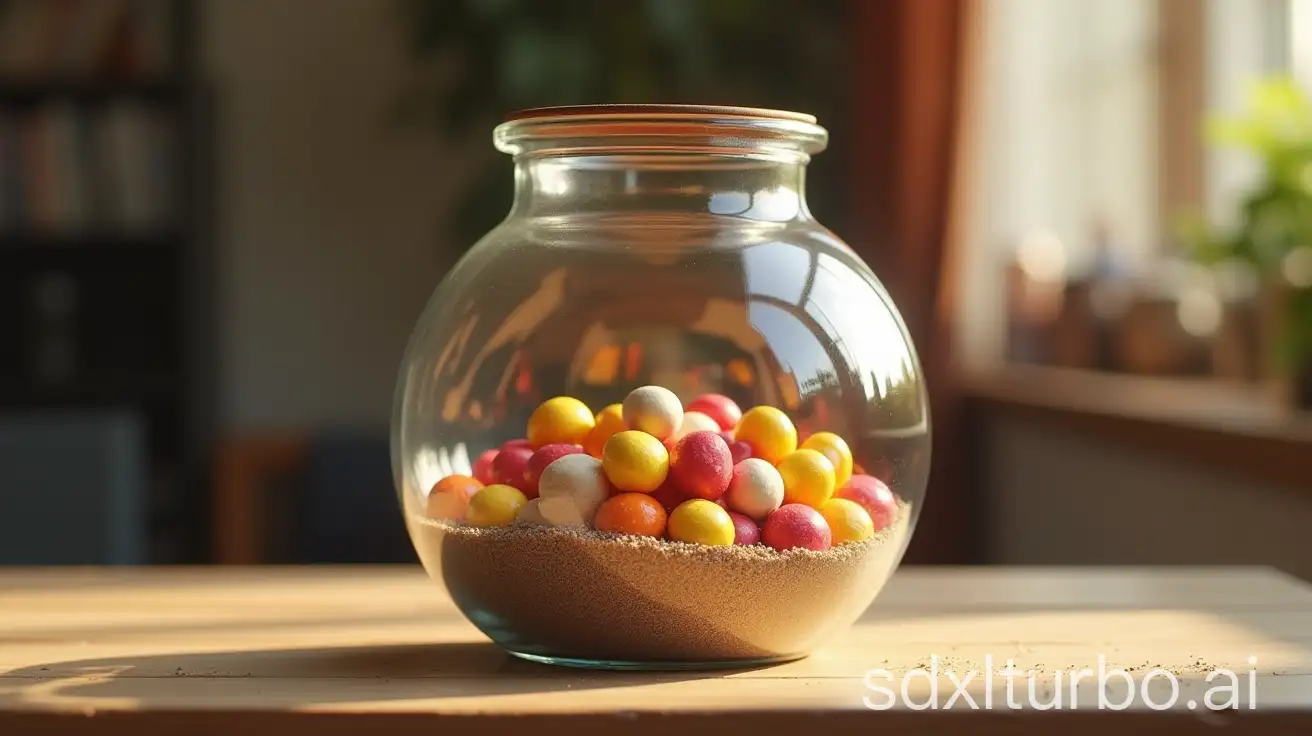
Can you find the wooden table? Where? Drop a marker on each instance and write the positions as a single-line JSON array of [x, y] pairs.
[[337, 649]]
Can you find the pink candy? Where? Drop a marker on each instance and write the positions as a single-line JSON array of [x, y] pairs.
[[745, 531], [874, 496], [795, 525], [538, 462], [701, 465], [718, 407], [508, 467], [483, 467]]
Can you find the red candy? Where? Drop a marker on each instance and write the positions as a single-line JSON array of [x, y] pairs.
[[718, 407], [508, 467], [483, 467], [873, 495], [669, 495], [739, 451], [797, 525], [516, 443], [538, 462], [702, 465], [745, 531]]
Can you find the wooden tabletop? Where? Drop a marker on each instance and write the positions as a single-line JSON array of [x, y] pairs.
[[337, 649]]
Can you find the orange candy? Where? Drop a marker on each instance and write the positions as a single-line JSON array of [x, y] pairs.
[[631, 513], [609, 421], [450, 496]]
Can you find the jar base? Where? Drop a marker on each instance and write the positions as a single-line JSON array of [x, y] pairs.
[[657, 665]]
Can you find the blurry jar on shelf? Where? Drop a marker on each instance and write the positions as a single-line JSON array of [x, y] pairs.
[[660, 416]]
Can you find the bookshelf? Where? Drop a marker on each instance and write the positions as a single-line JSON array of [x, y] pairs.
[[106, 268]]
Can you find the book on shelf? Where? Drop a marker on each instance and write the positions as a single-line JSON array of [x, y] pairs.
[[66, 170], [78, 39]]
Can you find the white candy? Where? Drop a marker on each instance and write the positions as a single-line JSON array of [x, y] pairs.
[[756, 488], [571, 489], [654, 410], [695, 421], [531, 514]]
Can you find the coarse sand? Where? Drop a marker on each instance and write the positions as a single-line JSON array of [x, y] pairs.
[[582, 594]]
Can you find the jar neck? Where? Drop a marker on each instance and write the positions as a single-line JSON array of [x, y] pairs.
[[755, 189]]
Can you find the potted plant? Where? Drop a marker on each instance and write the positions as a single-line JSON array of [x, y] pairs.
[[1272, 233]]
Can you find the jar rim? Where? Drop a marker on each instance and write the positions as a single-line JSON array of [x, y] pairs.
[[655, 129]]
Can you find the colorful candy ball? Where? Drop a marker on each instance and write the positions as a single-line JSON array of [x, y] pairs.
[[769, 431], [808, 478], [635, 461], [873, 495], [702, 465], [609, 421], [561, 420], [718, 407], [654, 410], [450, 496], [571, 489], [531, 513], [483, 467], [699, 521], [538, 462], [521, 442], [695, 421], [745, 531], [835, 448], [848, 521], [631, 513], [756, 488], [495, 505], [796, 525], [508, 467]]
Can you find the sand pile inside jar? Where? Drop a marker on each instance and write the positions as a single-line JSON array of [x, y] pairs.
[[588, 594]]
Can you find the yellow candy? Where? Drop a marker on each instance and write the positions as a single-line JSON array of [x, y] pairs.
[[609, 421], [835, 448], [848, 522], [563, 419], [770, 433], [635, 461], [808, 478], [700, 522], [495, 505]]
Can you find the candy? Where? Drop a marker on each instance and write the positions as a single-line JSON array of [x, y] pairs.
[[795, 525], [694, 421], [745, 531], [631, 513], [508, 467], [718, 407], [756, 488], [483, 467], [769, 431], [808, 477], [702, 465], [450, 496], [571, 489], [669, 495], [531, 513], [562, 420], [848, 521], [538, 462], [874, 496], [608, 421], [635, 461], [835, 448], [495, 505], [521, 442], [740, 451], [701, 522], [654, 410]]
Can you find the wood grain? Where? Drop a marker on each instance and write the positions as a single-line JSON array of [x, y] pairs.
[[224, 650]]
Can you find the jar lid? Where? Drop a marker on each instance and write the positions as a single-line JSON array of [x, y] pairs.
[[657, 111]]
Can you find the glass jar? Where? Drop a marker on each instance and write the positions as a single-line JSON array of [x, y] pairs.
[[660, 417]]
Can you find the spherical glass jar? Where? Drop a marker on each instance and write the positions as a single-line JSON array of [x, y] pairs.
[[667, 249]]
